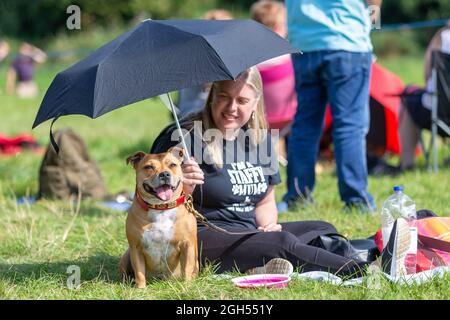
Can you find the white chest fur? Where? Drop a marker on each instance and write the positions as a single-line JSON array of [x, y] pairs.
[[157, 239]]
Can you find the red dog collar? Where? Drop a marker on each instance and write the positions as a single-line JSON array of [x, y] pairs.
[[163, 206]]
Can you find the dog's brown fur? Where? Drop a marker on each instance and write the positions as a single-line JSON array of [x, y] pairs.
[[162, 243]]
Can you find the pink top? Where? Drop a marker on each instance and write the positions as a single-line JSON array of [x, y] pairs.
[[280, 98]]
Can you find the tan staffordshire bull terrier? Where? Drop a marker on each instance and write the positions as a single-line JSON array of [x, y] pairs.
[[161, 233]]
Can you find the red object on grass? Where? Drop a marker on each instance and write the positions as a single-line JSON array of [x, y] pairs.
[[385, 87], [11, 146]]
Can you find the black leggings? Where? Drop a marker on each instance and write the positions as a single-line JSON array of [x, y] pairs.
[[243, 252]]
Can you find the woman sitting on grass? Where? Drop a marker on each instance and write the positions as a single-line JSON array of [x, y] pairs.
[[232, 183]]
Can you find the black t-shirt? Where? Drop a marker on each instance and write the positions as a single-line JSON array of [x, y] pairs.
[[229, 195]]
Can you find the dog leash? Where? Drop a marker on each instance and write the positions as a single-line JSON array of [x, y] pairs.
[[200, 218]]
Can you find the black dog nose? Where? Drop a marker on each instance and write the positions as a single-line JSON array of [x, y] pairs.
[[164, 175]]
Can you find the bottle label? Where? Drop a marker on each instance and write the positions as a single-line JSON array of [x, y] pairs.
[[411, 254], [386, 233], [413, 245]]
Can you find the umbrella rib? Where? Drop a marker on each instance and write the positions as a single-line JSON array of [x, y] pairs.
[[203, 38], [223, 66], [94, 114]]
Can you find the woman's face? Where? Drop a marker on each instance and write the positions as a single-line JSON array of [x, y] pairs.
[[233, 104]]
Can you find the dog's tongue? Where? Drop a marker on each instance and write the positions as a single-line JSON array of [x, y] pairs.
[[164, 193]]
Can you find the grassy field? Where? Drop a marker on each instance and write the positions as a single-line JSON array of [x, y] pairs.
[[39, 242]]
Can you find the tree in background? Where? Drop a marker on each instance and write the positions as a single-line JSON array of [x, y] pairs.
[[39, 19], [401, 11]]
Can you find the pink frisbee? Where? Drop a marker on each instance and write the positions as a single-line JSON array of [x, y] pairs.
[[276, 281]]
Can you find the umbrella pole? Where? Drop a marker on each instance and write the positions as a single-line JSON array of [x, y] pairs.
[[183, 142]]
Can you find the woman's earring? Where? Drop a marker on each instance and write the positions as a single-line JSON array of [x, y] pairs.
[[253, 115]]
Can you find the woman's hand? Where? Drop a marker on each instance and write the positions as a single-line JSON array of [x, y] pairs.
[[271, 227], [266, 213], [192, 175]]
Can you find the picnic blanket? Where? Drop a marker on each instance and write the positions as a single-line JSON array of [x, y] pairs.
[[326, 277], [410, 279]]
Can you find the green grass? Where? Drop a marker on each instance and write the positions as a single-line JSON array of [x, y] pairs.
[[39, 242], [409, 68]]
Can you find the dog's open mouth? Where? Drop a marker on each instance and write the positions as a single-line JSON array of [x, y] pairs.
[[163, 192]]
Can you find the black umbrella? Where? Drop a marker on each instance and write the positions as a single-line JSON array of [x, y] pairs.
[[156, 57]]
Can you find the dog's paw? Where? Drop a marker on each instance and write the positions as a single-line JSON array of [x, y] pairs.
[[141, 285]]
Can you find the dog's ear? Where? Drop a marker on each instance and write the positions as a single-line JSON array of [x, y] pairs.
[[135, 158], [177, 152]]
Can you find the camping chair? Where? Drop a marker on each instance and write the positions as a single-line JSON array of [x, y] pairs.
[[440, 109]]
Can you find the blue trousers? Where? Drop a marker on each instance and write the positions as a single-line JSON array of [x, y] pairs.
[[342, 79]]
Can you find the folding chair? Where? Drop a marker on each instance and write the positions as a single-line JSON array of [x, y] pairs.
[[440, 109]]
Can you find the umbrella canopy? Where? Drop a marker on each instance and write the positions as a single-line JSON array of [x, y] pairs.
[[156, 57]]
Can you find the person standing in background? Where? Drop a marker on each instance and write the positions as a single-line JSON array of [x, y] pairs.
[[277, 74], [334, 67], [20, 76]]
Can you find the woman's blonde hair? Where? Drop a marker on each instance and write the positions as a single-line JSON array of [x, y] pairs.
[[257, 121]]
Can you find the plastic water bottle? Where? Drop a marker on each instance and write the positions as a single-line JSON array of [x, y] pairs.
[[399, 205]]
